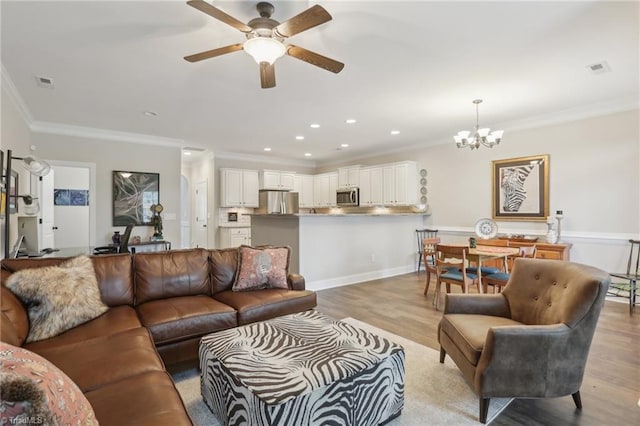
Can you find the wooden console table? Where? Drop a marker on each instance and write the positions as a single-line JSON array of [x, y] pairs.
[[148, 246], [559, 251]]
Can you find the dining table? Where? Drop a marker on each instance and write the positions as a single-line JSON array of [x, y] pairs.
[[482, 253]]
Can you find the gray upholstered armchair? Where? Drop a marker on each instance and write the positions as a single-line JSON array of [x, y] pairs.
[[531, 340]]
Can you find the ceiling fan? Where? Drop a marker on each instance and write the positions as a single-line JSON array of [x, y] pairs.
[[265, 37]]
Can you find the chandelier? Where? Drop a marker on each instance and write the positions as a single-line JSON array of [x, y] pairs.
[[482, 136]]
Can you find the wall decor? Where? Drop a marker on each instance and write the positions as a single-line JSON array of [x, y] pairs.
[[12, 196], [521, 188], [133, 195], [70, 197]]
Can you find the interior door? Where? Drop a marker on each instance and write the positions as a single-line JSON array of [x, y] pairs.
[[47, 215], [201, 215], [71, 206]]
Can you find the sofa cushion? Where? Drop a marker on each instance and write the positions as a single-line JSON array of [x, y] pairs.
[[224, 264], [147, 399], [34, 388], [115, 320], [261, 305], [469, 332], [262, 268], [164, 275], [14, 327], [180, 318], [106, 359], [58, 298]]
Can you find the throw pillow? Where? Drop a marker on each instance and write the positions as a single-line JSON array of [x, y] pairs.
[[34, 391], [58, 297], [260, 268]]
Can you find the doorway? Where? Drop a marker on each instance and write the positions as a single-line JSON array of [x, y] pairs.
[[67, 217]]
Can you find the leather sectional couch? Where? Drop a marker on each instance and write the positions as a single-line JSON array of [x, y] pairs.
[[160, 305]]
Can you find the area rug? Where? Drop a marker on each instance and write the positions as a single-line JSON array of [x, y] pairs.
[[435, 394]]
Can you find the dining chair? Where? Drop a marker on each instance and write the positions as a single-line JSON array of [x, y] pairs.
[[488, 270], [631, 277], [500, 279], [421, 234], [451, 262], [429, 257]]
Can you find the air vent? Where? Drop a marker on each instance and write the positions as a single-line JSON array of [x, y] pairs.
[[599, 67], [45, 82]]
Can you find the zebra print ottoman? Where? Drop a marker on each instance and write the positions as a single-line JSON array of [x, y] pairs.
[[301, 369]]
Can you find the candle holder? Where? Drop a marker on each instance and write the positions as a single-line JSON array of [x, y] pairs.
[[559, 217]]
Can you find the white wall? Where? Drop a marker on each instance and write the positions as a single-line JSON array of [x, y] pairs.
[[111, 155], [14, 135], [202, 170]]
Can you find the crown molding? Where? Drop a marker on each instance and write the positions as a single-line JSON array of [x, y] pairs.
[[103, 134], [263, 159], [12, 91]]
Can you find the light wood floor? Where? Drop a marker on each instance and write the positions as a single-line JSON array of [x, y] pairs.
[[611, 386]]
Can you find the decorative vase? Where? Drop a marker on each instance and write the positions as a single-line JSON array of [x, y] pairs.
[[116, 237], [552, 235]]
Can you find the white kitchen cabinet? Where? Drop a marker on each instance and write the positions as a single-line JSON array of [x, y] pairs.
[[276, 179], [239, 188], [371, 186], [349, 177], [400, 185], [324, 189], [235, 237], [303, 185]]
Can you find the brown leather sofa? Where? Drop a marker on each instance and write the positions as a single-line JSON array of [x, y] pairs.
[[160, 305]]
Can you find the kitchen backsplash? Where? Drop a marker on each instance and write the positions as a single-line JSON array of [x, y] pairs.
[[234, 216]]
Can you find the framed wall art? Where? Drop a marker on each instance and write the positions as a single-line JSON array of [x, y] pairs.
[[521, 188], [133, 195]]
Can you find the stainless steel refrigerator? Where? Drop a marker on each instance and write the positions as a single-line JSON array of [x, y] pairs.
[[277, 202]]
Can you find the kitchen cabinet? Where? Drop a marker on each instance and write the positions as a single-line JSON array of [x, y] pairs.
[[276, 179], [234, 237], [349, 177], [371, 186], [239, 188], [400, 185], [325, 186], [303, 185]]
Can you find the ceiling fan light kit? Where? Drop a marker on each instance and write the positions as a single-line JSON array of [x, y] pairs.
[[266, 36], [481, 136]]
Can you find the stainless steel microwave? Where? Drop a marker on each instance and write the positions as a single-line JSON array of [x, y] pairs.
[[348, 197]]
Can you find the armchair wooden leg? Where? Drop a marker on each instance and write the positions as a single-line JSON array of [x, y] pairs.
[[577, 400], [443, 353], [484, 409]]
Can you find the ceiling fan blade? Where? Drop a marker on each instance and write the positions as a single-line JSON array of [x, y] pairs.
[[212, 53], [219, 15], [267, 75], [310, 18], [314, 58]]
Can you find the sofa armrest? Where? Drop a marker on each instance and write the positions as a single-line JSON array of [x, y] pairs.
[[522, 360], [478, 304], [296, 282]]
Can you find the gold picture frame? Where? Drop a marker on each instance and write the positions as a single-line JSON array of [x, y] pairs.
[[521, 188]]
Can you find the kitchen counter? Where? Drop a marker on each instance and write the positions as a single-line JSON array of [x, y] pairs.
[[337, 249]]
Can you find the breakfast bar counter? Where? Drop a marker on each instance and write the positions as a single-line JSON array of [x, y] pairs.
[[337, 249]]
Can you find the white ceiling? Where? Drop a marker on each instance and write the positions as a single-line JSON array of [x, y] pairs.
[[411, 66]]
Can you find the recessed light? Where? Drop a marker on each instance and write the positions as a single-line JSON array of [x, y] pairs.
[[351, 120], [151, 113], [300, 138], [187, 153], [344, 145], [307, 154], [267, 149], [314, 126], [395, 132]]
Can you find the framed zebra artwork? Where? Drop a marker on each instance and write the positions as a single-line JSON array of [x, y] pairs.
[[521, 188]]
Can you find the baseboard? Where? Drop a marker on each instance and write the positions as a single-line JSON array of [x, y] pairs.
[[358, 278]]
